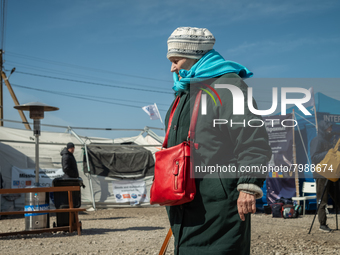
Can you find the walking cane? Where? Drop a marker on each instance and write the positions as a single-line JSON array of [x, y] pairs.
[[165, 243]]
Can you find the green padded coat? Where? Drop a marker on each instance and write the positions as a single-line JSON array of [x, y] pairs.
[[210, 224]]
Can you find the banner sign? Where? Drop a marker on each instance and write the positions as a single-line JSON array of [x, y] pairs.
[[334, 118], [22, 178], [280, 183], [130, 191], [32, 208]]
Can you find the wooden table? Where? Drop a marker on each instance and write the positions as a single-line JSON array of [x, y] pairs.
[[73, 212]]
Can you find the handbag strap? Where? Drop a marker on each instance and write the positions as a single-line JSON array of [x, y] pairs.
[[165, 243], [193, 122], [174, 106], [191, 133]]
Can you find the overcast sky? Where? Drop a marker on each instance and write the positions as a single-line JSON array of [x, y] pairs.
[[114, 53]]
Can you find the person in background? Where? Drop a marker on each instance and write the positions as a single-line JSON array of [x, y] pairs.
[[217, 221], [68, 162], [319, 147]]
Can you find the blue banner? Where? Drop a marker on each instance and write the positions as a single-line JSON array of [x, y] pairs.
[[280, 183], [30, 208]]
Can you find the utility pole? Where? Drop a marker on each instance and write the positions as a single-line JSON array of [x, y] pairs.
[[1, 94], [16, 102]]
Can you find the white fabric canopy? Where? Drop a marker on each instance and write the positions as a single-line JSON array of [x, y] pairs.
[[17, 148]]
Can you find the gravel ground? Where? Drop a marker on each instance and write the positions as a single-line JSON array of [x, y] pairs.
[[142, 230]]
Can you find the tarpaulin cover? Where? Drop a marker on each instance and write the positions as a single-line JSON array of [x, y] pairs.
[[120, 161]]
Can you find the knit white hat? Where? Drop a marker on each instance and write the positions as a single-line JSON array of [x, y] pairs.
[[190, 42]]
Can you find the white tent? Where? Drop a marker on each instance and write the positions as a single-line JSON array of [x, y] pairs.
[[17, 150]]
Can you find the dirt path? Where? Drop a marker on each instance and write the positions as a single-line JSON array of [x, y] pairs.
[[279, 236], [142, 230]]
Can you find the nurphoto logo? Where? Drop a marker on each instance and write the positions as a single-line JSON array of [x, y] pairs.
[[238, 104], [238, 100]]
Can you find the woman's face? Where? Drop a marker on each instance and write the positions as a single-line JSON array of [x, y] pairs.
[[178, 63]]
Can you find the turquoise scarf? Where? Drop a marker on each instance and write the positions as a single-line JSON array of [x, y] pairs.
[[211, 65]]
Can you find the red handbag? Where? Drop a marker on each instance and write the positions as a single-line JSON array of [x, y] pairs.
[[173, 182]]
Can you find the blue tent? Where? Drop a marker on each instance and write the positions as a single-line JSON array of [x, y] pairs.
[[327, 109]]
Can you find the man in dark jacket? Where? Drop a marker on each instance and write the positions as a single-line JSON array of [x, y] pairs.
[[68, 162], [318, 149]]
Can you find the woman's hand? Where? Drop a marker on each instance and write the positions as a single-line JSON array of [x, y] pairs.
[[246, 203]]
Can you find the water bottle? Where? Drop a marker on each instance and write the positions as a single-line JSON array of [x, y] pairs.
[[36, 202]]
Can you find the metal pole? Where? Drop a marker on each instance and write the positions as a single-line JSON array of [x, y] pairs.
[[336, 202], [319, 204], [90, 179], [87, 164], [37, 160], [297, 186], [316, 120], [37, 133]]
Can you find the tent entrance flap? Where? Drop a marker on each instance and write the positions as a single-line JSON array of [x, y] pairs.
[[122, 161]]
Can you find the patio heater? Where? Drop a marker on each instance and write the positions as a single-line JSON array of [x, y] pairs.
[[36, 110]]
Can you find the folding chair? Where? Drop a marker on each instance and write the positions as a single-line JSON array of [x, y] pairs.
[[307, 187]]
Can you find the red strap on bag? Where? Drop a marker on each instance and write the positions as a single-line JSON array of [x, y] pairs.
[[173, 109], [191, 133]]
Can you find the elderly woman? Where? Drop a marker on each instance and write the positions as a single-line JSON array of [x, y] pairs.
[[217, 221]]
